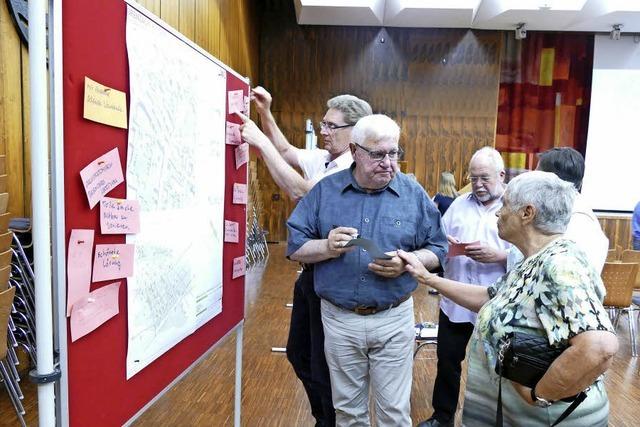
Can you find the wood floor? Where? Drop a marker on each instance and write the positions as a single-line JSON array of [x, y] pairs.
[[272, 396]]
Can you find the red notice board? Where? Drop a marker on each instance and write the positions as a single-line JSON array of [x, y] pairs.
[[99, 394]]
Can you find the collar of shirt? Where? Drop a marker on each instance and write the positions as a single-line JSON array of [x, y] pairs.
[[492, 207], [349, 182], [341, 162]]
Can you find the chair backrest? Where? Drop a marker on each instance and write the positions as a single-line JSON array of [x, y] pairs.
[[612, 255], [6, 300], [5, 274], [619, 278], [629, 255], [5, 241]]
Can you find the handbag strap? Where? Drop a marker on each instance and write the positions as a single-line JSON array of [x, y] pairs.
[[580, 397]]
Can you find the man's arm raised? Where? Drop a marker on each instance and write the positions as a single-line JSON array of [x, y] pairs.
[[262, 100], [282, 173]]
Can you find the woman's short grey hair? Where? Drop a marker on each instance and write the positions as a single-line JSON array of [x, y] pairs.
[[375, 128], [493, 155], [351, 107], [549, 195]]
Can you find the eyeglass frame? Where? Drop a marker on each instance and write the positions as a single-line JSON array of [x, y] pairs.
[[482, 179], [332, 126], [398, 153]]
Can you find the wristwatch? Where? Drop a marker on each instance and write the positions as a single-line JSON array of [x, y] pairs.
[[539, 401]]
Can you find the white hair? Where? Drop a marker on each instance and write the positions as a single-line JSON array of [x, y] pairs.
[[492, 154], [375, 127], [551, 197]]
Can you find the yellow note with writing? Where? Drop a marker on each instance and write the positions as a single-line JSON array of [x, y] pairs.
[[103, 104]]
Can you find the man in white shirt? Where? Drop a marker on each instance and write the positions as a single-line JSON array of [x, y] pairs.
[[305, 346], [470, 219], [584, 227]]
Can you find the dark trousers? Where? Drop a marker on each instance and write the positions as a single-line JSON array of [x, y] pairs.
[[452, 345], [305, 349]]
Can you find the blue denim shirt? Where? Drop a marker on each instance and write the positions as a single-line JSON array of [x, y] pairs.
[[399, 216]]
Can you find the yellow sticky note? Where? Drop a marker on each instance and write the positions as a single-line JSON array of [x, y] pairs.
[[103, 104], [547, 59]]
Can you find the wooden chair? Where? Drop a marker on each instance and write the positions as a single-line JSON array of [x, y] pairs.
[[629, 255], [612, 255], [619, 279]]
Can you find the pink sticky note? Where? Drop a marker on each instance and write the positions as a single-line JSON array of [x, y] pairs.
[[94, 309], [231, 231], [236, 102], [239, 267], [112, 262], [101, 176], [119, 216], [242, 154], [457, 249], [78, 266], [233, 136], [247, 102], [239, 194]]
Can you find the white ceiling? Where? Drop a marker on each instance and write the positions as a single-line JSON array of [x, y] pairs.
[[543, 15]]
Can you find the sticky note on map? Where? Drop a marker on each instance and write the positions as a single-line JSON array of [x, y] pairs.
[[94, 309], [101, 176], [239, 194], [239, 268], [105, 105], [113, 262], [78, 266], [247, 103], [242, 154], [231, 231], [119, 216], [233, 136], [236, 102]]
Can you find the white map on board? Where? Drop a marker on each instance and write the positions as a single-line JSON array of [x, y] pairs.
[[175, 169]]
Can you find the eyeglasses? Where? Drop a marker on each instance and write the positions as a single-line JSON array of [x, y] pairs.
[[380, 155], [331, 126], [483, 179]]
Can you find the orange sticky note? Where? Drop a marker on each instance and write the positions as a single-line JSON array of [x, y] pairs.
[[236, 102], [239, 267], [242, 154], [231, 231], [233, 136], [119, 216]]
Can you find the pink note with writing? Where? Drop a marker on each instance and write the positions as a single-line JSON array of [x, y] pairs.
[[236, 102], [119, 216], [239, 194], [457, 249], [239, 268], [101, 176], [112, 262], [94, 309], [231, 231], [78, 266], [242, 154], [233, 136], [247, 102]]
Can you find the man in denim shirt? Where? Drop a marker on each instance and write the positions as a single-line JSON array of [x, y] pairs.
[[367, 310]]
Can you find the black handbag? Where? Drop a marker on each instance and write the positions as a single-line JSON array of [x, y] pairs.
[[524, 359]]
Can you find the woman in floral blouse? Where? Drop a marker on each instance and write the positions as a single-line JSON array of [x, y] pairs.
[[554, 292]]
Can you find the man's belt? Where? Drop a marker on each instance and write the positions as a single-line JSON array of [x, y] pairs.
[[366, 311]]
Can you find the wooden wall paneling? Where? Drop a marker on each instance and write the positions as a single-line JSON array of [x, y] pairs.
[[187, 18], [202, 33], [170, 13], [226, 31], [440, 85], [22, 202], [214, 28], [11, 123], [152, 5]]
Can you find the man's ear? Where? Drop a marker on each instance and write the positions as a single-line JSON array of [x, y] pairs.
[[352, 147]]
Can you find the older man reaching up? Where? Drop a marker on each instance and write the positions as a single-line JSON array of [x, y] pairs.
[[367, 309]]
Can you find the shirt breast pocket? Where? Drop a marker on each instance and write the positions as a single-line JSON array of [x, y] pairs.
[[399, 231]]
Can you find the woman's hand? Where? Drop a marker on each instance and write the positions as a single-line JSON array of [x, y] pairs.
[[414, 267]]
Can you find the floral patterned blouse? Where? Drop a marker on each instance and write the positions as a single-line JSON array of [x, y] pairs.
[[554, 293]]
